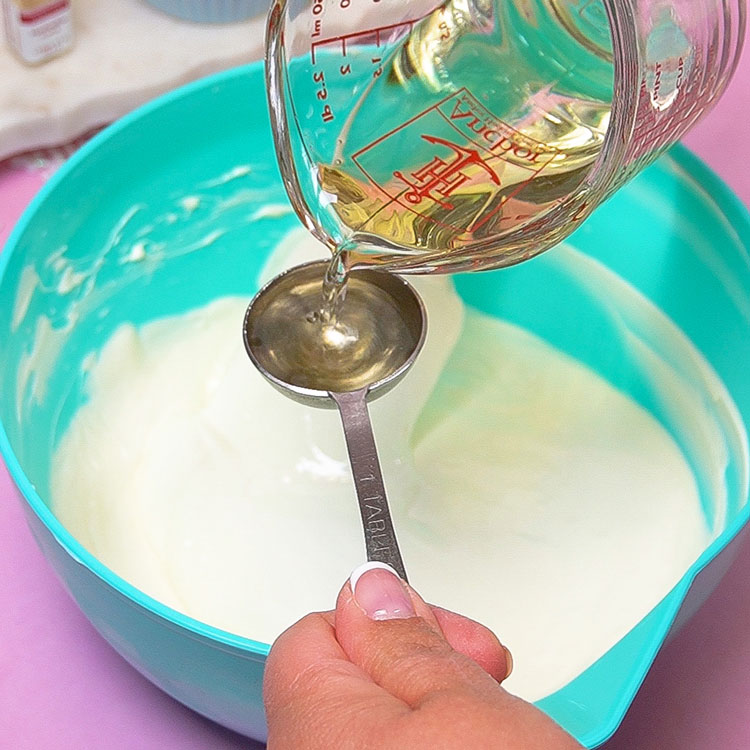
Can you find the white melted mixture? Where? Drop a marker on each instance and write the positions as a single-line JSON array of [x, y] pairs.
[[531, 495]]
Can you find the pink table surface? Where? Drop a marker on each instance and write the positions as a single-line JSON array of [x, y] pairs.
[[63, 688]]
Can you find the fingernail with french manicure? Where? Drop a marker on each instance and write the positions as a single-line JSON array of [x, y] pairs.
[[380, 592]]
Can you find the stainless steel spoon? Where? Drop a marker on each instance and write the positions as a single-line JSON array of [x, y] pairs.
[[378, 332]]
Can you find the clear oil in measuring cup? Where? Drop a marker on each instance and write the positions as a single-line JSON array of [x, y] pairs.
[[431, 135], [455, 172]]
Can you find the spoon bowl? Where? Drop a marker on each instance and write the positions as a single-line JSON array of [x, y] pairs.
[[378, 333]]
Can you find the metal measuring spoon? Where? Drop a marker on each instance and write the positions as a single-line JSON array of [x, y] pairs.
[[379, 330]]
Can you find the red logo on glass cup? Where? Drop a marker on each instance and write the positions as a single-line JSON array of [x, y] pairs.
[[471, 146], [443, 177]]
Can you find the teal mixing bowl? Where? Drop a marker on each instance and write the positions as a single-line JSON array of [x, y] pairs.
[[77, 266]]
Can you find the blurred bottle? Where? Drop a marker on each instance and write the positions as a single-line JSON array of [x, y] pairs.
[[38, 30]]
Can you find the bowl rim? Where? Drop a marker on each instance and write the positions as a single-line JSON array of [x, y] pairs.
[[715, 192]]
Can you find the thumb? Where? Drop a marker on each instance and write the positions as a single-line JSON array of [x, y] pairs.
[[387, 630], [417, 655]]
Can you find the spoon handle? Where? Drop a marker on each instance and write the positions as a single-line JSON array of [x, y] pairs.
[[380, 536]]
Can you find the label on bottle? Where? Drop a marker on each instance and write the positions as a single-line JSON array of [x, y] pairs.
[[38, 29]]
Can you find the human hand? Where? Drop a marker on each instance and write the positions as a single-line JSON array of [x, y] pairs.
[[386, 670]]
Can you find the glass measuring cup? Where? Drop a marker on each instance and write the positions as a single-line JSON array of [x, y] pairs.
[[474, 134]]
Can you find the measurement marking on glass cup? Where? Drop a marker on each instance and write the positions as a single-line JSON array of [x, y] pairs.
[[362, 36], [657, 127]]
